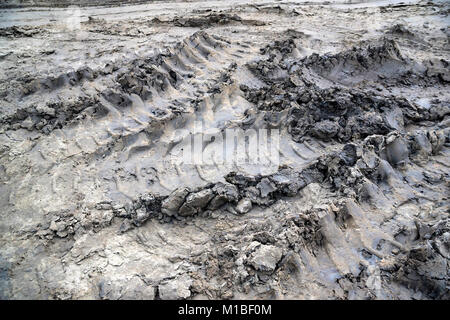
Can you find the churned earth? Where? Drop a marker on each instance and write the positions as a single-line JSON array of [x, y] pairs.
[[97, 202]]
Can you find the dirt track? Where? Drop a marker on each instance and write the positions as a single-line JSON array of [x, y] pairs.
[[98, 203]]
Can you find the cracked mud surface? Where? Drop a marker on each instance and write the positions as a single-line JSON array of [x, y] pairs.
[[94, 207]]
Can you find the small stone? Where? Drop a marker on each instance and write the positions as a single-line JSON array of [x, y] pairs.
[[244, 206]]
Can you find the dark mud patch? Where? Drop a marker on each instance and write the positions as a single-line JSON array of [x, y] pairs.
[[20, 32], [209, 20]]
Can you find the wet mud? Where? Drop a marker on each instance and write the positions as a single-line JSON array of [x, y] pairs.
[[99, 204]]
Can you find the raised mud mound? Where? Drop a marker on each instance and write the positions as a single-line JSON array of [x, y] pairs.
[[98, 202], [327, 99]]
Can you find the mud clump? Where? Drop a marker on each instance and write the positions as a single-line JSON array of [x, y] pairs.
[[400, 30], [424, 267], [265, 258], [338, 110], [18, 32], [240, 192]]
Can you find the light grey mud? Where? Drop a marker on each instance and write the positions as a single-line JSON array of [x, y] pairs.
[[94, 207]]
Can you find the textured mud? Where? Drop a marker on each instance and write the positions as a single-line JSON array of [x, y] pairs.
[[94, 207]]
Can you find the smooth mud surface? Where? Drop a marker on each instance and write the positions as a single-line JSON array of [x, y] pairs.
[[98, 202]]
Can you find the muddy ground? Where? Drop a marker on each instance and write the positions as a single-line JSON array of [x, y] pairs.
[[95, 205]]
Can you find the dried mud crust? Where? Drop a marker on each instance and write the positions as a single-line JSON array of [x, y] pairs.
[[357, 209]]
